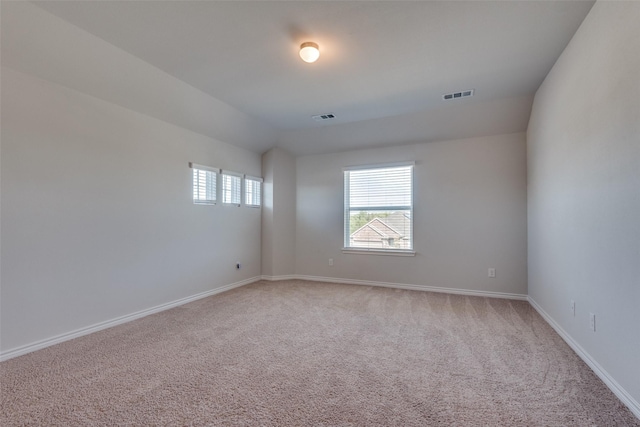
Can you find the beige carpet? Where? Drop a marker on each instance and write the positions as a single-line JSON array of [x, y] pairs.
[[315, 354]]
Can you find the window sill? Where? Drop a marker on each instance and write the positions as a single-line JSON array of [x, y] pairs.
[[362, 251]]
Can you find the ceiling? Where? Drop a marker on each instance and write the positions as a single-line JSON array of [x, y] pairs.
[[383, 64]]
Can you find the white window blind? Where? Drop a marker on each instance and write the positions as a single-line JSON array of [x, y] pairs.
[[379, 207], [231, 188], [252, 191], [204, 184]]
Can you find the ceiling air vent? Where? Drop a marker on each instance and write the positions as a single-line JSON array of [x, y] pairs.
[[323, 117], [457, 95]]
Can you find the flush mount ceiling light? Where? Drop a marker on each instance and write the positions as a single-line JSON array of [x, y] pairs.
[[309, 51]]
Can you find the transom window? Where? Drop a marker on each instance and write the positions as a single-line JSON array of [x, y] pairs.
[[378, 208], [206, 187], [204, 184], [231, 188], [252, 191]]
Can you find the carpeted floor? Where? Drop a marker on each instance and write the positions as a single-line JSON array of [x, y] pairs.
[[315, 354]]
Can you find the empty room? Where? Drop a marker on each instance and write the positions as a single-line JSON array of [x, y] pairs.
[[320, 213]]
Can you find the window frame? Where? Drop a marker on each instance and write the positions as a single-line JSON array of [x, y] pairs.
[[215, 171], [246, 191], [347, 211]]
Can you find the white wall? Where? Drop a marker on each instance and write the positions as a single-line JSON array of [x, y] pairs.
[[97, 213], [470, 214], [584, 190], [279, 213]]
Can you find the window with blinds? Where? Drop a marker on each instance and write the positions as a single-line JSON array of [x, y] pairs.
[[204, 184], [378, 208], [252, 191], [231, 188]]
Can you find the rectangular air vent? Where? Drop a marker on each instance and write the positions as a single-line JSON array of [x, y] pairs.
[[322, 117], [456, 95]]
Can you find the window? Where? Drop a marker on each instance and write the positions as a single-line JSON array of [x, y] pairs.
[[231, 188], [378, 208], [205, 188], [252, 187], [204, 184]]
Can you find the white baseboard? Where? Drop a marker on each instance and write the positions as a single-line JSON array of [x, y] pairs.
[[613, 385], [489, 294], [28, 348], [276, 278]]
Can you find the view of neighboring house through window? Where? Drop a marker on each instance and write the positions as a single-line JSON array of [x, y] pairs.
[[204, 184], [252, 191], [231, 187], [378, 207]]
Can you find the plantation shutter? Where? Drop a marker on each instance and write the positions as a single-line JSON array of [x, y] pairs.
[[252, 190], [204, 184], [231, 187]]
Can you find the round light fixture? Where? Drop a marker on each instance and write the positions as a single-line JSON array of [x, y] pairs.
[[309, 52]]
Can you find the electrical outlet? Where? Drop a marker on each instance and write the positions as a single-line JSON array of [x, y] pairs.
[[330, 261], [492, 272], [573, 307], [592, 321]]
